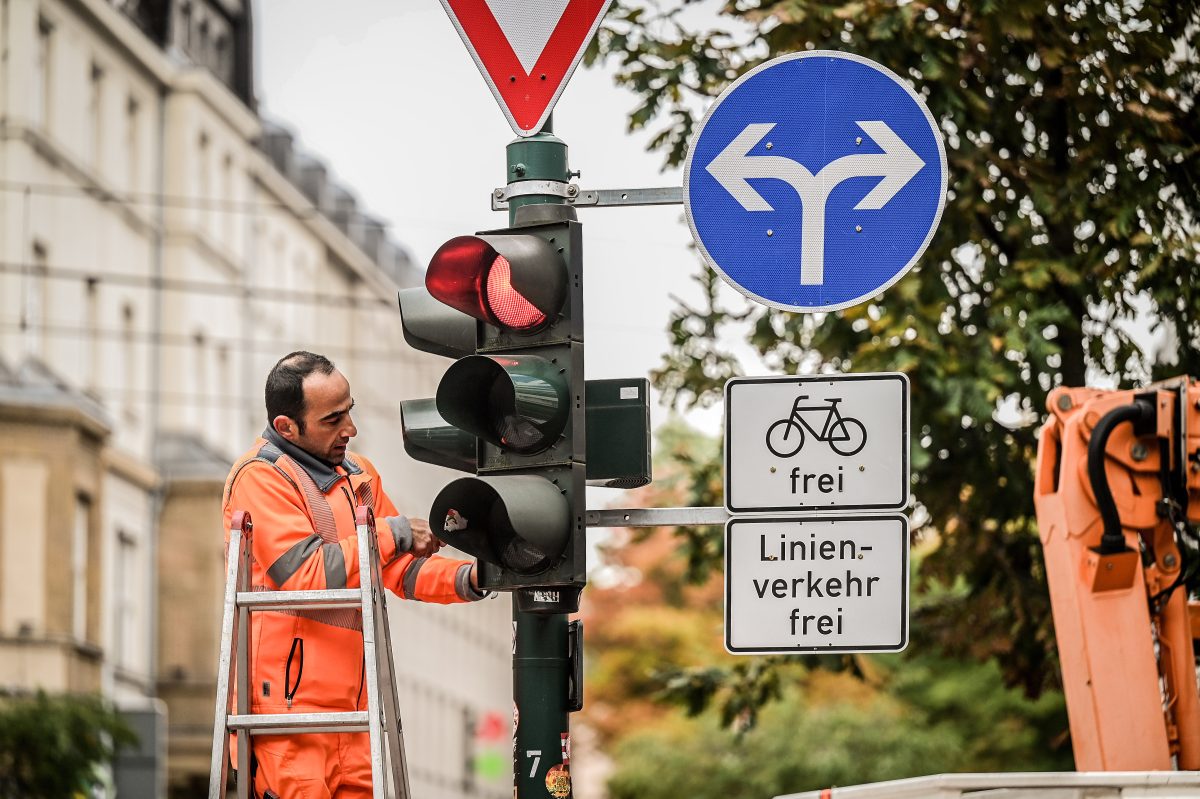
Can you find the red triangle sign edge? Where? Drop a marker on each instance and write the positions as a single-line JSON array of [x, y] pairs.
[[525, 98]]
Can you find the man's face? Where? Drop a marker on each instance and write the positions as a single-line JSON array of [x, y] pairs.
[[328, 427]]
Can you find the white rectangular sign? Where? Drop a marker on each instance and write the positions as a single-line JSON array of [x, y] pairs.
[[818, 442], [819, 584]]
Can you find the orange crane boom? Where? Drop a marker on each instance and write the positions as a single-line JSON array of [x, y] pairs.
[[1115, 471]]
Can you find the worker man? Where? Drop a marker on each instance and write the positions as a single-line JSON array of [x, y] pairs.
[[301, 484]]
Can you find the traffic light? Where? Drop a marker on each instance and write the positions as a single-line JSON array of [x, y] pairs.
[[516, 396]]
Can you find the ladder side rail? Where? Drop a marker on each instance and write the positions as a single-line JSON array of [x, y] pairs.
[[364, 520], [385, 665], [219, 769], [370, 577], [245, 576]]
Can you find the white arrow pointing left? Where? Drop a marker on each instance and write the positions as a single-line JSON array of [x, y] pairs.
[[734, 167]]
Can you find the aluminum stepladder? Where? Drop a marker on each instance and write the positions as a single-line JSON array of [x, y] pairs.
[[382, 713]]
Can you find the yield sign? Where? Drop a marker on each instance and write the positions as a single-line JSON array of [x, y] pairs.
[[526, 50]]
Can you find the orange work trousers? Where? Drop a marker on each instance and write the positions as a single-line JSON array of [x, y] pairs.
[[313, 766]]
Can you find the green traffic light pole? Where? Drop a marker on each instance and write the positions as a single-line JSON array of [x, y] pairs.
[[541, 666]]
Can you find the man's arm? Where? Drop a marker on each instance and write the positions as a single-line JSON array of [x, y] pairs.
[[412, 535], [428, 577]]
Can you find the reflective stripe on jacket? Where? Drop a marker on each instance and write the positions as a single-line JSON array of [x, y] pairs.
[[304, 538]]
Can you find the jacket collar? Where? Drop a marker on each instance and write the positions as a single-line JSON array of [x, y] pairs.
[[322, 473]]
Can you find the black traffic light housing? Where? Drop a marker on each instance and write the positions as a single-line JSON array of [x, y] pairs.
[[516, 395], [515, 410]]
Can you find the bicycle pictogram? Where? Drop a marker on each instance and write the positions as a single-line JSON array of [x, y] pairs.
[[845, 435]]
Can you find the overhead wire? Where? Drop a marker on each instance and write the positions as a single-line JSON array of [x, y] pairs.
[[257, 293], [233, 344], [251, 208], [185, 399], [246, 207]]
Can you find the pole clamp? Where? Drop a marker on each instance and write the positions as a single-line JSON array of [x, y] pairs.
[[526, 188]]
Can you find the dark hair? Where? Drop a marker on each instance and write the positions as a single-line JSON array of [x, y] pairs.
[[285, 384]]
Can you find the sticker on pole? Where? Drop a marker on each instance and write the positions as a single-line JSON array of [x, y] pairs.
[[823, 584], [526, 50], [815, 181]]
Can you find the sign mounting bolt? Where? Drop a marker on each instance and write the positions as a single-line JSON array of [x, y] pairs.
[[858, 228], [770, 232]]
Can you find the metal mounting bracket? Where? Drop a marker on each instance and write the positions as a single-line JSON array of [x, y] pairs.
[[667, 195], [655, 517]]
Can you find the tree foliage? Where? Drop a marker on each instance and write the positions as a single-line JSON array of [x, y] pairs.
[[933, 716], [50, 747], [1071, 136]]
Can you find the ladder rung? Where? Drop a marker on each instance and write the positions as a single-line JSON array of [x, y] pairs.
[[295, 723], [300, 600]]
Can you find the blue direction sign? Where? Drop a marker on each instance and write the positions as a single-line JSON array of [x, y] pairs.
[[815, 181]]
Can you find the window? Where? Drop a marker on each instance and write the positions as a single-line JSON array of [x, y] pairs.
[[223, 59], [227, 196], [185, 22], [33, 310], [128, 369], [39, 90], [133, 122], [91, 351], [202, 389], [96, 115], [124, 601], [225, 413], [203, 180], [79, 566], [300, 280], [200, 51]]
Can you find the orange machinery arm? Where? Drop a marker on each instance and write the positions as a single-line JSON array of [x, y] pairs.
[[1114, 474]]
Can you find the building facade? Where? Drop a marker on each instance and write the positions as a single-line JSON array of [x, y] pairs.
[[161, 245]]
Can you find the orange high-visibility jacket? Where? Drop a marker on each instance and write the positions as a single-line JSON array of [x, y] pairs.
[[304, 538]]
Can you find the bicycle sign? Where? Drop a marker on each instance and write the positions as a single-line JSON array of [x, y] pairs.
[[845, 435], [817, 442]]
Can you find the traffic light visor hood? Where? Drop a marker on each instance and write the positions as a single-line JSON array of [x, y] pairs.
[[514, 281], [521, 523]]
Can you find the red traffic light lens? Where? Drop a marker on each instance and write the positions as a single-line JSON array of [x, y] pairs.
[[508, 305], [515, 281]]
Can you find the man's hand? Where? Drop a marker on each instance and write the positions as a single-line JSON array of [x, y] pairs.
[[424, 543]]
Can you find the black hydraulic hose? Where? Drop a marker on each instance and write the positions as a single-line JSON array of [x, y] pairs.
[[1113, 539]]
